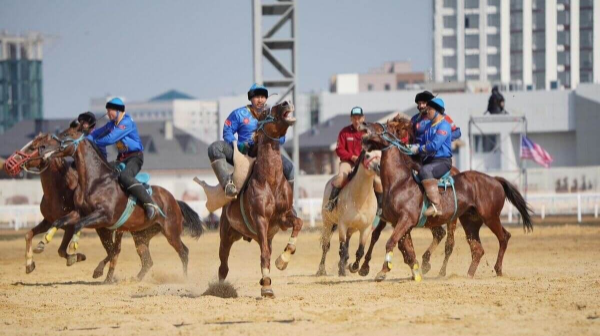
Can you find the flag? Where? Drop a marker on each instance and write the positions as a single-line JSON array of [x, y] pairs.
[[532, 151]]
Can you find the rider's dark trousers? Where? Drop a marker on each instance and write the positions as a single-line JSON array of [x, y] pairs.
[[222, 150], [435, 168], [133, 165]]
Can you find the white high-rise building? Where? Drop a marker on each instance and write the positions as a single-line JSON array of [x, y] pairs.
[[529, 44]]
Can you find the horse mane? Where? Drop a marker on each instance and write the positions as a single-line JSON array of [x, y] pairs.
[[360, 159]]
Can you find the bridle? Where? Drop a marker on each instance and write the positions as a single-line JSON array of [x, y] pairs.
[[268, 120], [393, 140]]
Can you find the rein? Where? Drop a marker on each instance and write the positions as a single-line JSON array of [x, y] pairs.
[[393, 140], [268, 120]]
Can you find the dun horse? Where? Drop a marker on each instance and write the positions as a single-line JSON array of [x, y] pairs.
[[264, 205], [100, 202], [355, 211], [480, 198]]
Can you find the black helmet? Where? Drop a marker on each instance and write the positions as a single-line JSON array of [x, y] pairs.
[[87, 117], [257, 90], [424, 96]]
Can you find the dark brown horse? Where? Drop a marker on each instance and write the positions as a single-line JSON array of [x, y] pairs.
[[265, 204], [480, 199], [100, 201]]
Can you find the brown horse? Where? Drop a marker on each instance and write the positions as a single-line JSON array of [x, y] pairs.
[[100, 201], [480, 199], [264, 205]]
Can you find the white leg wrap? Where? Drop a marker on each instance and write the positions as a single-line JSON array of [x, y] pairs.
[[292, 241], [266, 272], [286, 256], [389, 256]]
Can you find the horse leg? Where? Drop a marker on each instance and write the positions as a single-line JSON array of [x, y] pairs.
[[438, 233], [325, 245], [503, 236], [471, 224], [364, 235], [265, 255], [449, 246], [41, 227], [62, 250], [364, 269], [173, 234], [408, 253], [228, 237], [115, 256], [96, 217], [283, 260], [142, 246], [70, 218], [344, 244], [404, 224], [106, 238]]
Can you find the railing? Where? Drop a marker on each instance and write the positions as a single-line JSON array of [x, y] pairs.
[[309, 209]]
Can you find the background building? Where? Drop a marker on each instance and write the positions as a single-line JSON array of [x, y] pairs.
[[524, 44], [20, 78], [197, 117], [391, 76]]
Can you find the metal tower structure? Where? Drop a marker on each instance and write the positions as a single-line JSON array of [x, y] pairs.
[[265, 43]]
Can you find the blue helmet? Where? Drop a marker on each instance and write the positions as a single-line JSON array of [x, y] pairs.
[[257, 90], [437, 104], [116, 104]]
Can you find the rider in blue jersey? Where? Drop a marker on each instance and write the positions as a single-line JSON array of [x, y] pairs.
[[243, 122], [435, 150], [122, 131], [420, 122]]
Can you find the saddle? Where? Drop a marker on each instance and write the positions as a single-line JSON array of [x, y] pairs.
[[443, 182], [215, 195]]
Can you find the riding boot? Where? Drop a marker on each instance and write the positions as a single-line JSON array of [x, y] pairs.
[[333, 198], [433, 193], [221, 169], [139, 192], [379, 197]]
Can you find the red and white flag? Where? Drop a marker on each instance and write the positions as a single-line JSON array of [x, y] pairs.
[[532, 151]]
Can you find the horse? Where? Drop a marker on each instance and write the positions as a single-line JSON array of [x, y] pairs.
[[100, 202], [264, 204], [355, 211], [479, 198]]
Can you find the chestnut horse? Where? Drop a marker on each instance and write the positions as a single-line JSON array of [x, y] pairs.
[[100, 201], [480, 199], [264, 205]]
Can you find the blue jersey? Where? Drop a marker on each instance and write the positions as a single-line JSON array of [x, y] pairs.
[[437, 140], [420, 125], [242, 122], [121, 132]]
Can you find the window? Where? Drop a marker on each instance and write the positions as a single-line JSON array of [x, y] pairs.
[[493, 61], [586, 39], [585, 76], [450, 62], [495, 3], [516, 5], [539, 40], [449, 3], [484, 143], [563, 17], [563, 37], [539, 61], [516, 62], [400, 86], [563, 58], [585, 59], [539, 80], [472, 21], [516, 41], [493, 20], [471, 3], [387, 87], [493, 41], [565, 78], [472, 61], [516, 22], [472, 42], [539, 4], [449, 42], [539, 20], [586, 3], [586, 19], [450, 22]]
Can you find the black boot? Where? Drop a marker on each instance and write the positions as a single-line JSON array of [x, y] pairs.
[[333, 198], [379, 197], [221, 169], [139, 192]]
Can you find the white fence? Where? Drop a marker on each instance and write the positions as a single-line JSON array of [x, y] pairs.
[[309, 209]]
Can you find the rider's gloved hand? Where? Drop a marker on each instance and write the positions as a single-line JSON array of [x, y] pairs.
[[243, 147], [414, 149]]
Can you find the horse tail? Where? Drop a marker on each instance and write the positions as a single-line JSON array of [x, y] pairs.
[[191, 220], [514, 196]]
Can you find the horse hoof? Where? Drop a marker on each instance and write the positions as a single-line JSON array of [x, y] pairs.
[[267, 292], [364, 271], [280, 263], [71, 259], [380, 276], [30, 268], [354, 268], [39, 248], [321, 272], [342, 273], [109, 281], [426, 267], [442, 273], [81, 257]]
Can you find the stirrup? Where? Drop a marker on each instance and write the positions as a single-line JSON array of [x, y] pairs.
[[435, 210], [230, 190], [154, 207]]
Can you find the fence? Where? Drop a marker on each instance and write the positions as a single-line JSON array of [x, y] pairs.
[[309, 209]]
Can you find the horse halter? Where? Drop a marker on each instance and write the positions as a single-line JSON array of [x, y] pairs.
[[393, 140]]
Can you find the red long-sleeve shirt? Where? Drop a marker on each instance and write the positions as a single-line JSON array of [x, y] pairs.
[[349, 143]]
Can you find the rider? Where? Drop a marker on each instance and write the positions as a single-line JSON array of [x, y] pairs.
[[244, 122], [435, 149], [349, 146], [122, 131], [420, 122]]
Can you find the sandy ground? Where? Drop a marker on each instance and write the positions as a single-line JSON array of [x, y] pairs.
[[551, 287]]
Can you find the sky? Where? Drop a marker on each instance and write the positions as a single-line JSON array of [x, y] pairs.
[[138, 49]]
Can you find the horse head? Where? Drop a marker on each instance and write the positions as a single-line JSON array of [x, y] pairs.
[[33, 157], [274, 121], [380, 136]]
